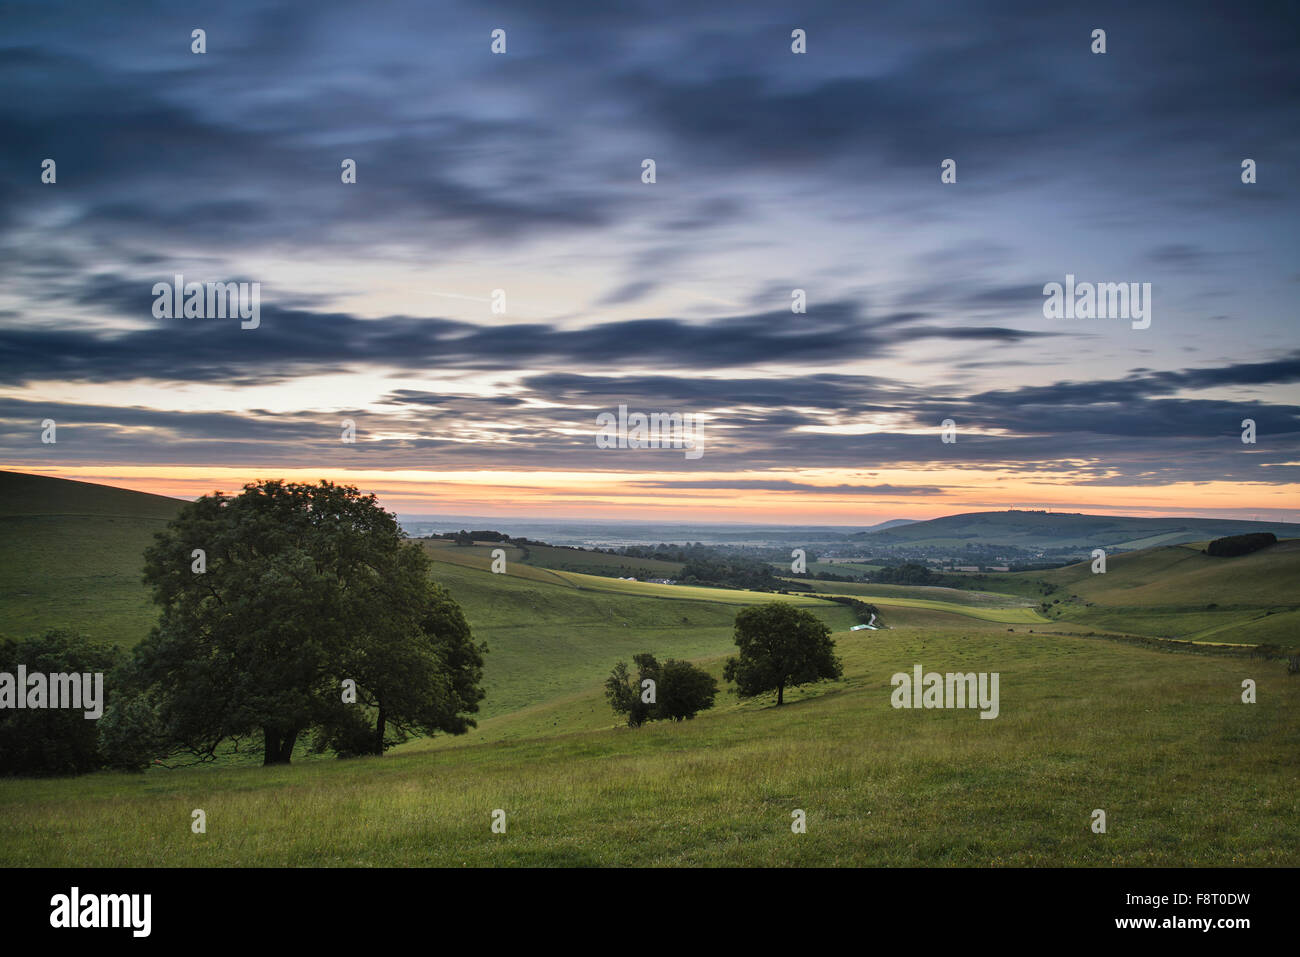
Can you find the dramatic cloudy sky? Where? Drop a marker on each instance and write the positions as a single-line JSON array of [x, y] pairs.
[[775, 171]]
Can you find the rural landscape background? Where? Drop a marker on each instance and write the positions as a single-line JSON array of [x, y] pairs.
[[1120, 691], [820, 240]]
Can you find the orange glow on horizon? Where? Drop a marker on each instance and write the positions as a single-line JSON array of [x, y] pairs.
[[629, 496]]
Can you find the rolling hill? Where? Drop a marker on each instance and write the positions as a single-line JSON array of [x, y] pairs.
[[1174, 591], [1048, 530], [72, 556]]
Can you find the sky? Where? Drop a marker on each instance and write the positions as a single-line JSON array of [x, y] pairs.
[[522, 171]]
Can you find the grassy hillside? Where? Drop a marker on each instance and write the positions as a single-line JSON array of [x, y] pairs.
[[27, 495], [1186, 773], [888, 603], [557, 635], [955, 596], [1175, 591], [1060, 530], [72, 556], [1181, 575]]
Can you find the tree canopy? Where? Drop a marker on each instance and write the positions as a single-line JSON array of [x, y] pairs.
[[780, 646], [678, 690], [292, 608], [49, 740]]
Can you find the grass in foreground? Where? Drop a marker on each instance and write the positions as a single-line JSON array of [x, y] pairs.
[[1186, 773]]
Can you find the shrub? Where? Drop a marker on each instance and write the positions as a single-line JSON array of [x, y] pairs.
[[46, 740], [680, 690]]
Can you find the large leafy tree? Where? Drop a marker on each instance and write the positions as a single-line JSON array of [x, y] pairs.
[[780, 646], [304, 586], [415, 665]]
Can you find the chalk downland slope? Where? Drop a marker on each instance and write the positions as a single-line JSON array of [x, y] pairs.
[[72, 556], [1176, 591]]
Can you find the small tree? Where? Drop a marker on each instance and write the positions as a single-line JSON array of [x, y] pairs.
[[679, 691], [628, 696], [684, 690], [780, 646]]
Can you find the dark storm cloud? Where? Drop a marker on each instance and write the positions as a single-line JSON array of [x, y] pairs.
[[826, 391], [157, 145], [292, 342], [145, 156], [1004, 84]]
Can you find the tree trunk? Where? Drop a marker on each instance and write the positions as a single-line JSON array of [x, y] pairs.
[[279, 748], [780, 693], [270, 747], [380, 724]]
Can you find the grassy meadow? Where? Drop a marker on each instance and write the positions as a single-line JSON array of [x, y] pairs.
[[1186, 773], [1157, 736]]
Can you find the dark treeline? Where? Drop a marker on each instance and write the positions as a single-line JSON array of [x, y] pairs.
[[464, 537], [669, 553], [1240, 544], [909, 573], [730, 572], [705, 565], [865, 611]]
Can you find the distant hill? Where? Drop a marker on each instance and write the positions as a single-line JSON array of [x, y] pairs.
[[892, 523], [72, 556], [1026, 529]]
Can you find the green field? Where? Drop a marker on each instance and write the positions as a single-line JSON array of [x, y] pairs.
[[555, 636], [1158, 737], [948, 596], [599, 563], [1186, 773], [833, 568], [730, 596]]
